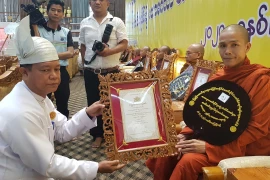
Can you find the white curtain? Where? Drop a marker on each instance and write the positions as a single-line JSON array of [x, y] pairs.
[[80, 9], [2, 10], [9, 10]]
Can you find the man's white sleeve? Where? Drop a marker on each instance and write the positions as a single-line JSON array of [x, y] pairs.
[[28, 139], [77, 125]]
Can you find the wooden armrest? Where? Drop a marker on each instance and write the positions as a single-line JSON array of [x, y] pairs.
[[213, 173]]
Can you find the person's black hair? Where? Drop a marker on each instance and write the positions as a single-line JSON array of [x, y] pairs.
[[57, 2], [27, 66]]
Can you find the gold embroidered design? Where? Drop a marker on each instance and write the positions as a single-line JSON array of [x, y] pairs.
[[217, 109]]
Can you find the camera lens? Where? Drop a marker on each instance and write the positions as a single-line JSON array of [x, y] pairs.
[[99, 46]]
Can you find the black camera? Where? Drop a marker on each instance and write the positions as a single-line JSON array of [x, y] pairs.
[[99, 46], [32, 10]]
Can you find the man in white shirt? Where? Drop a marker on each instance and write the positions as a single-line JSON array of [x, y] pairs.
[[107, 61], [30, 123]]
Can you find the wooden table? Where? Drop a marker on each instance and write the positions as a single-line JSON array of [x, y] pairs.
[[260, 173]]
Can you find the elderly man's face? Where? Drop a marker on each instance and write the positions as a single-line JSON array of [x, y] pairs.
[[192, 54], [43, 78], [137, 52], [143, 53], [161, 52], [233, 48]]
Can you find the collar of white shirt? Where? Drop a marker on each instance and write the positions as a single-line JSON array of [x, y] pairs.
[[108, 16]]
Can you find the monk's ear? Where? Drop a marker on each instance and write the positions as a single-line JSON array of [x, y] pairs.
[[199, 55], [248, 47]]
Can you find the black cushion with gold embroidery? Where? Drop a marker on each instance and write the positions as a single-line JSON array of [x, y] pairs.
[[218, 112]]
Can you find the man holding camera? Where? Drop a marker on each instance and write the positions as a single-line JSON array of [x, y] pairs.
[[61, 38], [101, 47]]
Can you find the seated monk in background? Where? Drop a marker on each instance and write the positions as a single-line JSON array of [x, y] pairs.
[[193, 53], [143, 53], [234, 43], [136, 53], [135, 57], [160, 55]]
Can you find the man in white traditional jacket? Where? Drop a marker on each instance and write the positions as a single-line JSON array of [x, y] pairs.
[[29, 122]]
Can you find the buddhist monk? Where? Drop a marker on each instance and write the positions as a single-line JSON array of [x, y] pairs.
[[135, 57], [144, 50], [255, 140], [136, 53], [160, 55], [143, 53], [193, 53]]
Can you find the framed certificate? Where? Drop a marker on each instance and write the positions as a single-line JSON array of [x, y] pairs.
[[201, 73], [138, 119], [167, 62]]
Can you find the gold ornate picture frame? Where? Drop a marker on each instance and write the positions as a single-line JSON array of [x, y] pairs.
[[132, 130], [203, 70]]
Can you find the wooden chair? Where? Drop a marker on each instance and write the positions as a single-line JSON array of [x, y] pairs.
[[8, 80], [222, 171], [3, 68]]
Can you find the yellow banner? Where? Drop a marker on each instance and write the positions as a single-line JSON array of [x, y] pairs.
[[179, 23]]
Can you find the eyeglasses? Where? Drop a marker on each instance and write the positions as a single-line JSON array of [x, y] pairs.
[[189, 53]]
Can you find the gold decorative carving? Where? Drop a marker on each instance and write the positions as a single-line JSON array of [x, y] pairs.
[[154, 59], [170, 60], [10, 77], [110, 139]]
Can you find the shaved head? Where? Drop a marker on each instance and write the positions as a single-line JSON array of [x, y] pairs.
[[238, 28], [163, 50], [146, 48], [194, 52], [197, 47]]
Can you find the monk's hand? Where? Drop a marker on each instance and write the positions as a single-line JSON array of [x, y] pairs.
[[109, 166], [191, 146], [95, 109], [180, 138]]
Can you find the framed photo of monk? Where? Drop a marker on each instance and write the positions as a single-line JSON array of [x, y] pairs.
[[138, 119], [201, 74], [167, 61]]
